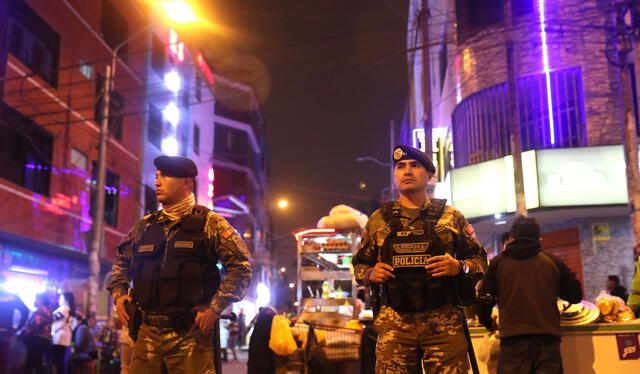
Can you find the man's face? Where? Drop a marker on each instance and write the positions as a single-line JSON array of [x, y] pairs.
[[410, 176], [170, 189], [611, 284]]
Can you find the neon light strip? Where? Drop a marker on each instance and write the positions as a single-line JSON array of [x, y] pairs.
[[313, 232], [545, 64]]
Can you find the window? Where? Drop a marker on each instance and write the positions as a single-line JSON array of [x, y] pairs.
[[198, 88], [86, 69], [196, 139], [480, 122], [33, 41], [150, 200], [157, 55], [154, 132], [114, 27], [116, 109], [111, 195], [26, 150], [79, 159], [233, 145]]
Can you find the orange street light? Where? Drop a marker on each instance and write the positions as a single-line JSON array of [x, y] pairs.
[[179, 11]]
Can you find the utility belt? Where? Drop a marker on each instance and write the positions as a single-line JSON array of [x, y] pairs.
[[179, 321]]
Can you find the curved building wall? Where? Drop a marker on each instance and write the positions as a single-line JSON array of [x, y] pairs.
[[574, 37]]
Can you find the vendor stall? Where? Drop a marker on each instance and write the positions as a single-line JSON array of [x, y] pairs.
[[596, 348]]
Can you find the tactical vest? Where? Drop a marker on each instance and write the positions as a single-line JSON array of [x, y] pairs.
[[413, 290], [179, 273]]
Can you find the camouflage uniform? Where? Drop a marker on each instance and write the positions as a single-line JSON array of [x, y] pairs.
[[179, 351], [435, 338]]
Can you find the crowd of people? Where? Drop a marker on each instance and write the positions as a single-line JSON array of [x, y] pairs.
[[54, 338]]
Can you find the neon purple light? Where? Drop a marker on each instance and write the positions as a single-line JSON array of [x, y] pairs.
[[545, 64]]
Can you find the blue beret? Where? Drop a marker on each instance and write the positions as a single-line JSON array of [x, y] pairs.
[[404, 152], [176, 166]]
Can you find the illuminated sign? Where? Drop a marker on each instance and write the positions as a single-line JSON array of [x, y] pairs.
[[176, 47], [552, 178], [202, 64], [582, 176], [487, 188], [212, 178], [417, 139]]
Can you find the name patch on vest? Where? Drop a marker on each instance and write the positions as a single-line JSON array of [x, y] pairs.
[[410, 261], [181, 244], [411, 247], [146, 248]]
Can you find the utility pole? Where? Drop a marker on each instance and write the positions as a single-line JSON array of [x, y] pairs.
[[627, 119], [97, 230], [97, 220], [427, 123], [512, 106]]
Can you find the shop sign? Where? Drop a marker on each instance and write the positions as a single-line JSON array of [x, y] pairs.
[[600, 231], [487, 188], [628, 346], [582, 176]]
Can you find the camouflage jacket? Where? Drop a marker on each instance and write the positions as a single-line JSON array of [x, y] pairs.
[[454, 227], [221, 237]]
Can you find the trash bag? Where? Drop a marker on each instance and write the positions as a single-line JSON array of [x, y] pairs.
[[489, 347], [281, 340]]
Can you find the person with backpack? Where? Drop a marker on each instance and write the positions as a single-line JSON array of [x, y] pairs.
[[61, 330]]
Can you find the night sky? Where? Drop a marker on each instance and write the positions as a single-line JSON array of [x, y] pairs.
[[331, 75]]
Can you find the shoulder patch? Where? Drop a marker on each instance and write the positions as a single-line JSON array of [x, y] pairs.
[[230, 231]]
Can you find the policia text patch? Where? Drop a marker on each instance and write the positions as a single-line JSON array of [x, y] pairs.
[[419, 247], [410, 261]]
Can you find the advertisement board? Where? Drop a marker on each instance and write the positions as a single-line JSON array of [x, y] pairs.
[[582, 176], [487, 188], [552, 178]]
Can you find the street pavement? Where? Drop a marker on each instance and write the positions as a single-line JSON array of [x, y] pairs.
[[236, 367]]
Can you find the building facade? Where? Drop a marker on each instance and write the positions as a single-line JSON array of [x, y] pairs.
[[55, 57], [166, 99], [194, 112], [569, 117]]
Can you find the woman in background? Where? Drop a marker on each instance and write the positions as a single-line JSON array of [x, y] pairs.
[[61, 330], [37, 335]]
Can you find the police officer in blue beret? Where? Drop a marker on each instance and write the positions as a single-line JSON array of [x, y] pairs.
[[416, 250], [171, 258]]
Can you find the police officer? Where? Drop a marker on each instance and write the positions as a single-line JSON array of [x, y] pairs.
[[423, 255], [170, 257]]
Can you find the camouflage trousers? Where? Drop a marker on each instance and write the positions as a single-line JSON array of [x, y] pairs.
[[430, 342], [163, 350]]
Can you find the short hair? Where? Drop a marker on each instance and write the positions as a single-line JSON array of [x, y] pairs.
[[504, 237], [614, 278], [525, 228]]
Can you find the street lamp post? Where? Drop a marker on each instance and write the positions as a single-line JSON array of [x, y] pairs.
[[97, 228]]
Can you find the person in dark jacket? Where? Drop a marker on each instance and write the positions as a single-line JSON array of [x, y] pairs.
[[261, 357], [527, 281], [615, 288]]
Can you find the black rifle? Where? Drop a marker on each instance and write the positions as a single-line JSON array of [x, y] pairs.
[[217, 351], [135, 319]]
